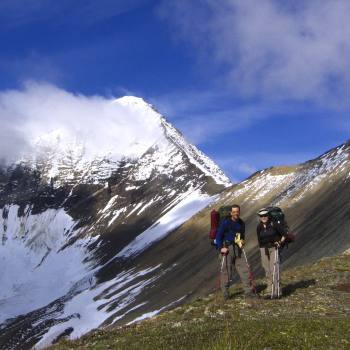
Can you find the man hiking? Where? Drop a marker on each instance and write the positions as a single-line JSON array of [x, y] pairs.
[[230, 241], [271, 236]]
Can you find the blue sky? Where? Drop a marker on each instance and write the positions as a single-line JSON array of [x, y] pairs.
[[253, 83]]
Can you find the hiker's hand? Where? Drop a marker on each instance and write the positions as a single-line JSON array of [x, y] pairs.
[[242, 243], [224, 251], [279, 244]]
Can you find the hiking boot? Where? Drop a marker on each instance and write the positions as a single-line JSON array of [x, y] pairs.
[[276, 297], [251, 295], [226, 295], [266, 294]]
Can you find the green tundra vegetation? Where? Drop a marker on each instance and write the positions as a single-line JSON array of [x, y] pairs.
[[314, 313]]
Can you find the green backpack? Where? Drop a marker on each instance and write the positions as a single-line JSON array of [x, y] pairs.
[[224, 212], [276, 215]]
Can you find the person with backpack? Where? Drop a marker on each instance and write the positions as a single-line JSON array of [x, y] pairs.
[[229, 240], [272, 235]]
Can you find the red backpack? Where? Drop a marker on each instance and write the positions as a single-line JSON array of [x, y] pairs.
[[214, 224]]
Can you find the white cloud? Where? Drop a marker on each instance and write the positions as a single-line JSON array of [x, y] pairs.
[[206, 127], [296, 50], [201, 115], [101, 124]]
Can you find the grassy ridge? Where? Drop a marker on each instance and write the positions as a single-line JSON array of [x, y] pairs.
[[313, 314]]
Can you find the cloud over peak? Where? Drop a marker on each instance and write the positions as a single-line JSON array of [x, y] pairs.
[[42, 112]]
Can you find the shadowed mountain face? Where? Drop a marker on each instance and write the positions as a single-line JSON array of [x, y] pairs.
[[95, 242]]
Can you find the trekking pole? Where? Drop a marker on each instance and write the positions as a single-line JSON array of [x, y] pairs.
[[222, 263], [276, 276], [278, 273], [222, 266], [273, 289], [250, 272]]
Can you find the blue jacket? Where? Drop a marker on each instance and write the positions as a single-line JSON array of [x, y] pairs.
[[227, 231]]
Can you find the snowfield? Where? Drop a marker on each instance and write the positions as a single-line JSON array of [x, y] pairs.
[[31, 251], [188, 205], [34, 271]]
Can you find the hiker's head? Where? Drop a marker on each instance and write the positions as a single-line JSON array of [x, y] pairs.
[[263, 215], [235, 211]]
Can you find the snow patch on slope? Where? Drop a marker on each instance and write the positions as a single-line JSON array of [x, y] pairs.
[[252, 190], [155, 312], [293, 185], [190, 204], [91, 307], [35, 271], [308, 179]]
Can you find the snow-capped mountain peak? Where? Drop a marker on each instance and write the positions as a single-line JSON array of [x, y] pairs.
[[126, 128], [173, 135]]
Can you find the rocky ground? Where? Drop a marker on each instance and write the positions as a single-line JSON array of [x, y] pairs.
[[314, 313]]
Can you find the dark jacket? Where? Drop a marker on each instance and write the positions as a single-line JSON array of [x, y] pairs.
[[227, 231], [269, 235]]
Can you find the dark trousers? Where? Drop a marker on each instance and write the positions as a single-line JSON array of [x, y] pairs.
[[234, 259]]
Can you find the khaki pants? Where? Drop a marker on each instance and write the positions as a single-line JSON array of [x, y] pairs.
[[234, 259], [268, 263]]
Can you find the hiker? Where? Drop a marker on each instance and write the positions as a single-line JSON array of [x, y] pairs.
[[271, 236], [230, 241]]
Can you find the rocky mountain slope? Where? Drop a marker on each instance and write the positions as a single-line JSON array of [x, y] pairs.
[[118, 241], [314, 196]]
